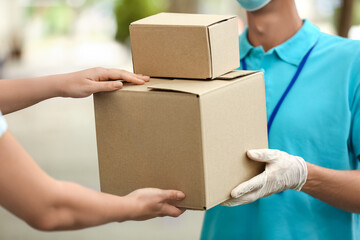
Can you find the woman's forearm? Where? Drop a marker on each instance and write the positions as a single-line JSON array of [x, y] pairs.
[[17, 94], [76, 207], [337, 188], [45, 203]]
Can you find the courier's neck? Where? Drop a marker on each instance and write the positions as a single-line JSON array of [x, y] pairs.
[[273, 24]]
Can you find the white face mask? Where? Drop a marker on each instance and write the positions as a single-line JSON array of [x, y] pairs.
[[253, 5]]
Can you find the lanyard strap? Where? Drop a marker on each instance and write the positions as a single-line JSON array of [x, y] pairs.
[[291, 84]]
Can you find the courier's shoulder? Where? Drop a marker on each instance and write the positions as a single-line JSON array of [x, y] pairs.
[[337, 44]]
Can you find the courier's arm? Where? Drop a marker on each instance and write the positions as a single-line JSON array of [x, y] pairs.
[[284, 171], [47, 204], [337, 188], [17, 94]]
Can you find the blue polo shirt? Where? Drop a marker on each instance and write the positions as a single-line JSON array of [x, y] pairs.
[[319, 121], [3, 125]]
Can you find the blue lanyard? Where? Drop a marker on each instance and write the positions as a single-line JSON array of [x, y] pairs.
[[291, 84]]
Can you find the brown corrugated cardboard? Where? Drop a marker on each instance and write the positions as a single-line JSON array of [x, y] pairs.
[[181, 134], [195, 46]]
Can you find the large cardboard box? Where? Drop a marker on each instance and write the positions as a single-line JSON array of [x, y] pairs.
[[175, 45], [182, 134]]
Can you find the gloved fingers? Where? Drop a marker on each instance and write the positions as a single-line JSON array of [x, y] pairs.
[[244, 199], [230, 203], [265, 155], [251, 185]]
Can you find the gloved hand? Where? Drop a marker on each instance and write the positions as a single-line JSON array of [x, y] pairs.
[[282, 171]]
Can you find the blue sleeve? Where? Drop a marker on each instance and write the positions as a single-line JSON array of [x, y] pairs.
[[3, 125], [355, 107], [355, 139]]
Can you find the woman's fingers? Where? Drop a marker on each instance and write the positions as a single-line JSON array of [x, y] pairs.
[[118, 74], [105, 86], [172, 211]]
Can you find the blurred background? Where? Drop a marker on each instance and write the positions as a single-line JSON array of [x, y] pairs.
[[41, 37]]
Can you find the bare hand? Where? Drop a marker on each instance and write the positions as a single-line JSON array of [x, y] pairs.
[[152, 202], [84, 83]]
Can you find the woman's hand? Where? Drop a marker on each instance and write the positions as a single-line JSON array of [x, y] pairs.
[[84, 83], [152, 202]]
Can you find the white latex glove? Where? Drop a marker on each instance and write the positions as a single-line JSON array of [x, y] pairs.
[[282, 171]]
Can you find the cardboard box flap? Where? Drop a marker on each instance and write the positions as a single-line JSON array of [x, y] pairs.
[[182, 19], [189, 86], [235, 74]]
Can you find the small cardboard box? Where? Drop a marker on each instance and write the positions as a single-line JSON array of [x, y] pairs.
[[186, 135], [195, 46]]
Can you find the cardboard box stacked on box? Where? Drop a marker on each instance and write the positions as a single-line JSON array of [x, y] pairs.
[[190, 126]]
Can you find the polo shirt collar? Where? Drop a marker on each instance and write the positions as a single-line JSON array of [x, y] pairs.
[[292, 50], [245, 45]]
